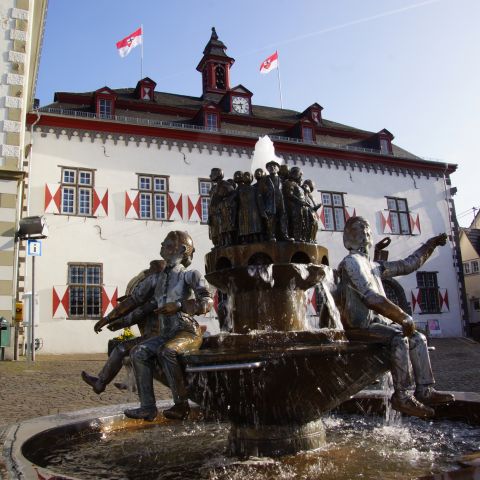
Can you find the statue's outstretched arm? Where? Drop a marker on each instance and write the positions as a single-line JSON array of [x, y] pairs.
[[415, 260]]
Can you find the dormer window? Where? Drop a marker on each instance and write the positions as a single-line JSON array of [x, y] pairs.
[[146, 92], [314, 114], [105, 107], [145, 89], [384, 145], [104, 101], [307, 134], [211, 120]]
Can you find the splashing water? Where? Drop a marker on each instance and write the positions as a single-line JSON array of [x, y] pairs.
[[264, 152], [358, 447]]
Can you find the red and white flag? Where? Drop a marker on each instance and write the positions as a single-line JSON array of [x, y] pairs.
[[271, 63], [124, 46]]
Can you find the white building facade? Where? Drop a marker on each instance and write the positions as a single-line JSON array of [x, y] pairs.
[[114, 171]]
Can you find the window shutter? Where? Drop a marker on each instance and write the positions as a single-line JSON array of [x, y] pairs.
[[132, 204], [60, 301], [416, 301], [415, 223], [321, 218], [109, 299], [194, 208], [350, 212], [175, 207], [100, 202], [443, 297], [311, 301], [53, 197], [385, 222]]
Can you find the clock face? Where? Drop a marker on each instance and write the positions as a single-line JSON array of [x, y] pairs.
[[240, 105]]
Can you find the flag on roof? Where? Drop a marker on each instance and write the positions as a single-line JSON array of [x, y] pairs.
[[131, 41], [269, 64]]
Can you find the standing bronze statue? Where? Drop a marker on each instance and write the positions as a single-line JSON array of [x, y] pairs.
[[171, 289], [221, 213], [249, 218], [367, 315], [295, 205], [311, 216], [273, 207]]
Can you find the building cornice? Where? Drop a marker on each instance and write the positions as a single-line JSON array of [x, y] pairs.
[[292, 151]]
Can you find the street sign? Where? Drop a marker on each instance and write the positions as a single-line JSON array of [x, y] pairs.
[[34, 248]]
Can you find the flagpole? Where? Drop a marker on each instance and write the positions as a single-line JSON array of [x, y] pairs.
[[279, 81], [141, 57]]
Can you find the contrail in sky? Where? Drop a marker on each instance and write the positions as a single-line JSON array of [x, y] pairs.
[[327, 30], [339, 27]]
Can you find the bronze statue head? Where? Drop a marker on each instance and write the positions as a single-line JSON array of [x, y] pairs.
[[272, 167], [259, 174], [308, 184], [247, 178], [177, 248], [357, 234], [296, 174], [216, 174], [283, 171], [238, 177]]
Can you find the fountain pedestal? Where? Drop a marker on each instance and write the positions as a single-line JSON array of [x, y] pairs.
[[270, 377]]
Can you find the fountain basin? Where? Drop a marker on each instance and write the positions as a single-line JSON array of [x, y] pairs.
[[115, 447], [274, 387]]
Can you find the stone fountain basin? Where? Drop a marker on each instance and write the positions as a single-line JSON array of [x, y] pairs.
[[25, 443], [278, 378]]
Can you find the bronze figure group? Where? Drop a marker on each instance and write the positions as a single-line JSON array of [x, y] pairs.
[[278, 206]]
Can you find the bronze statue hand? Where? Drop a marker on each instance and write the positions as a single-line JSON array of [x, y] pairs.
[[169, 308], [100, 324], [439, 240], [408, 327]]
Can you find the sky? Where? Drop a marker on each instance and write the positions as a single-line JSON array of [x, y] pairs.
[[410, 66]]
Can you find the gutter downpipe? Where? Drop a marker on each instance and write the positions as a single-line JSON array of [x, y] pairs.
[[17, 244], [457, 257]]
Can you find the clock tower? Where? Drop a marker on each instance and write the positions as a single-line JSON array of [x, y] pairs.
[[215, 68]]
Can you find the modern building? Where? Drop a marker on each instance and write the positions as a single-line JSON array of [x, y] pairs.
[[114, 170], [470, 248], [20, 46]]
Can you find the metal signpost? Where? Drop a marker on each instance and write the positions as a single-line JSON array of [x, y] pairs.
[[34, 249]]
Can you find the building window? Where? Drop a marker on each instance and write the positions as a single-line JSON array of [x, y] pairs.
[[105, 108], [85, 289], [77, 191], [153, 197], [466, 268], [475, 266], [211, 121], [204, 187], [333, 210], [384, 146], [307, 134], [476, 304], [399, 217], [429, 294]]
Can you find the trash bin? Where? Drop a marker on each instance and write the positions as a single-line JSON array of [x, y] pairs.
[[4, 336]]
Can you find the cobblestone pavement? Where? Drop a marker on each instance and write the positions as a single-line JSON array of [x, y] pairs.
[[52, 384]]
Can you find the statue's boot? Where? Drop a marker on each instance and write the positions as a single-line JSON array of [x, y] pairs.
[[142, 413], [179, 411], [97, 385], [429, 396], [408, 404]]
